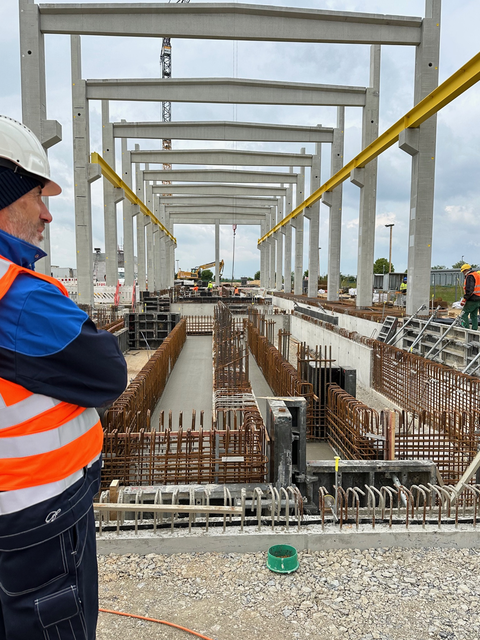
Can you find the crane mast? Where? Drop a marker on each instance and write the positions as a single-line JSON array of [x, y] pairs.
[[166, 65]]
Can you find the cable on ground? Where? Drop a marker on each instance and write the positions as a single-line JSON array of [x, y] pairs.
[[170, 624]]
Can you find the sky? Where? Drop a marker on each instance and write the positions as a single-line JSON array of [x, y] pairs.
[[456, 233]]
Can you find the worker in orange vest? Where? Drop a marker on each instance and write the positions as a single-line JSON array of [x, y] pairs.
[[55, 368], [471, 296]]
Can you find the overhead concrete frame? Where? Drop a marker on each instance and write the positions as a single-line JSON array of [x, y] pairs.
[[225, 91], [230, 157], [223, 190], [228, 131], [240, 22]]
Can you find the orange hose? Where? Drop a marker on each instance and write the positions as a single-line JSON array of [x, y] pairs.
[[170, 624]]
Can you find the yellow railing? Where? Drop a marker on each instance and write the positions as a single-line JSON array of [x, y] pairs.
[[115, 179], [454, 86]]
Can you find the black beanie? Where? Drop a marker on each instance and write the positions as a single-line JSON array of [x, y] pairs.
[[14, 185]]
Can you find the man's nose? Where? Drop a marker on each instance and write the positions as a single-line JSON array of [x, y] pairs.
[[45, 215]]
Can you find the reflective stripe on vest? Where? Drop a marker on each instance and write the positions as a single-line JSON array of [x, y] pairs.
[[44, 442], [476, 290], [14, 501]]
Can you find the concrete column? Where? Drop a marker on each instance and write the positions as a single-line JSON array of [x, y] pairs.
[[128, 251], [109, 200], [333, 199], [368, 187], [139, 190], [156, 243], [287, 273], [279, 248], [163, 249], [81, 158], [149, 224], [423, 165], [298, 224], [34, 112], [263, 248], [170, 252], [217, 253], [271, 269], [313, 213]]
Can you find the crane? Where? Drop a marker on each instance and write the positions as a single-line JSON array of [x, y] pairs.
[[196, 272], [166, 65]]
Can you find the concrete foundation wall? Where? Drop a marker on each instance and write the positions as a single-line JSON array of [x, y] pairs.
[[193, 309], [249, 542], [360, 325], [282, 303], [346, 352]]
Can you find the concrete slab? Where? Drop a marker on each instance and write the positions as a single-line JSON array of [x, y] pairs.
[[190, 384]]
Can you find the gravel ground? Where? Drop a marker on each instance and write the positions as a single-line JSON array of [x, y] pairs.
[[378, 594]]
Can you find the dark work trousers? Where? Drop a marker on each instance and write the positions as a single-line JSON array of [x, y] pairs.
[[48, 567]]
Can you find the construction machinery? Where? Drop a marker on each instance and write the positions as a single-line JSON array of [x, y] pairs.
[[196, 272]]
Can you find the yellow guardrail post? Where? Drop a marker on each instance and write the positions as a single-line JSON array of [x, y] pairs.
[[337, 460], [115, 179]]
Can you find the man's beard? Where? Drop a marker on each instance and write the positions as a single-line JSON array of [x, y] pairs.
[[16, 225]]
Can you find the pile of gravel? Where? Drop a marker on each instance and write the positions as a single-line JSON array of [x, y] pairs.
[[377, 594]]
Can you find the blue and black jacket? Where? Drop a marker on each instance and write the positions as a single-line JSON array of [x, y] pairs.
[[48, 345]]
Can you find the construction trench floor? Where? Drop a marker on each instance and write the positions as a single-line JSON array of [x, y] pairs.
[[376, 592]]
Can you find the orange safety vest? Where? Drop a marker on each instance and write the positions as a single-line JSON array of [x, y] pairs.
[[476, 290], [44, 442]]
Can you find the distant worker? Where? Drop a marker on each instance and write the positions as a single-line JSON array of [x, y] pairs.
[[210, 285], [236, 291], [403, 285], [55, 368], [195, 288], [471, 296]]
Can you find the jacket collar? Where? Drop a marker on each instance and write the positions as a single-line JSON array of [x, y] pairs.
[[18, 251]]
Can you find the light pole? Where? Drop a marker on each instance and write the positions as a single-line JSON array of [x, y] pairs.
[[390, 251]]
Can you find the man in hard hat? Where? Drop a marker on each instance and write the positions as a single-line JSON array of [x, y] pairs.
[[471, 296], [403, 291], [55, 368]]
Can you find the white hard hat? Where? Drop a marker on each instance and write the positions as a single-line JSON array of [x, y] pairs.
[[21, 146]]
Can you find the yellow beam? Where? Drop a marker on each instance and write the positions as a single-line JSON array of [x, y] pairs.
[[453, 86], [115, 179]]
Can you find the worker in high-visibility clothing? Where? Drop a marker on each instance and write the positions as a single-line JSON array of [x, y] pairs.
[[55, 368], [471, 296]]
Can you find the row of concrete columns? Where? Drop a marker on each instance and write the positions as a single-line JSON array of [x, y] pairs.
[[150, 240]]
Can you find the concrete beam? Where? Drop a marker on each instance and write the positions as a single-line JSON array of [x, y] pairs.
[[218, 175], [228, 22], [221, 190], [258, 211], [232, 131], [206, 201], [230, 157], [225, 91], [221, 218]]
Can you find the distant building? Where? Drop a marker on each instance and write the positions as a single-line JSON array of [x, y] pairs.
[[63, 272]]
